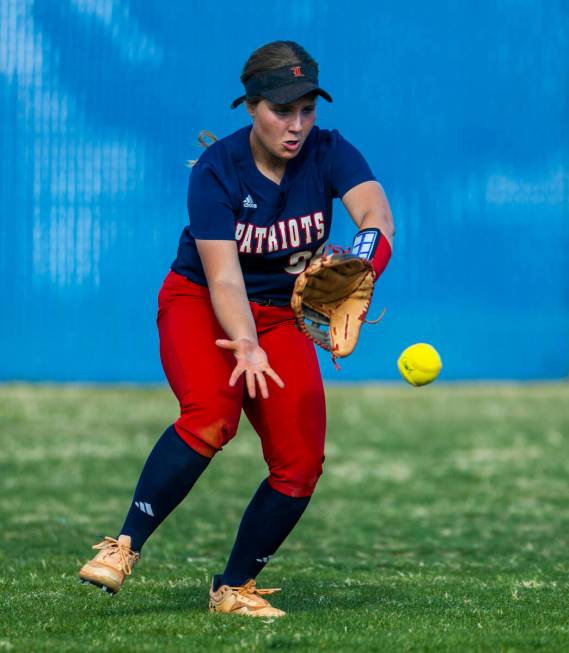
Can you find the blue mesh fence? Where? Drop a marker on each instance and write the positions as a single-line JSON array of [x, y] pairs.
[[462, 113]]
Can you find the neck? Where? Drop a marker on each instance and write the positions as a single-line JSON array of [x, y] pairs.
[[270, 165]]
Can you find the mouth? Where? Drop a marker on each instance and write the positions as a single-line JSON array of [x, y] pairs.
[[291, 145]]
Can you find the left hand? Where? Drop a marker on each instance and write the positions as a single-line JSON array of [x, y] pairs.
[[251, 360]]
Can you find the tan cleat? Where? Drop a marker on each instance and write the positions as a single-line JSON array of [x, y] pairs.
[[109, 567], [246, 600]]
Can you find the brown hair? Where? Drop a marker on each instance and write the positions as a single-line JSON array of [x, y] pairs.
[[271, 56]]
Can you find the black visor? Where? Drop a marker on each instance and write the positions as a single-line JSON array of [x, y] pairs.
[[283, 85]]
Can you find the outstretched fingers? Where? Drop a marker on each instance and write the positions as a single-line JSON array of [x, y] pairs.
[[276, 378], [237, 372], [254, 378], [252, 361], [250, 380], [226, 344], [262, 385]]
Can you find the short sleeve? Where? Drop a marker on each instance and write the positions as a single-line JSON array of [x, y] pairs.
[[209, 206], [348, 166]]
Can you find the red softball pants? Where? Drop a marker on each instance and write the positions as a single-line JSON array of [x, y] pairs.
[[291, 423]]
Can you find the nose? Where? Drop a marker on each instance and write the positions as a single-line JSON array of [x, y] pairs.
[[295, 124]]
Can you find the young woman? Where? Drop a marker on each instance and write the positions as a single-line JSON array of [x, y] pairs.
[[260, 207]]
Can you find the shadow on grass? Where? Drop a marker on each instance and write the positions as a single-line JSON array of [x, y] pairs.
[[300, 599]]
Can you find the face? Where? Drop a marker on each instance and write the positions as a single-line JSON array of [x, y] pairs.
[[281, 129]]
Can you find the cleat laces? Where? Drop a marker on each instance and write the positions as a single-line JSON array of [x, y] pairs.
[[114, 549], [250, 587]]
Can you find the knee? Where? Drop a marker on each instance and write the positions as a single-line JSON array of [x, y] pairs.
[[205, 432], [297, 479]]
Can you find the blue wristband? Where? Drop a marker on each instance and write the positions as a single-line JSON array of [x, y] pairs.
[[365, 243]]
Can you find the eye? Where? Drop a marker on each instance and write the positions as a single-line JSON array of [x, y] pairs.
[[308, 110]]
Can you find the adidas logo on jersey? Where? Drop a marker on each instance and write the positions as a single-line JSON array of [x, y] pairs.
[[145, 507], [248, 203]]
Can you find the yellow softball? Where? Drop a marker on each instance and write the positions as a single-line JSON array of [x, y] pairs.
[[420, 364]]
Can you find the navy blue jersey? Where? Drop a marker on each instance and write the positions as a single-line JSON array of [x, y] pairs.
[[278, 227]]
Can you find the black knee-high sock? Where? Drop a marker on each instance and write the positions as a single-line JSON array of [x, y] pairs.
[[170, 471], [267, 521]]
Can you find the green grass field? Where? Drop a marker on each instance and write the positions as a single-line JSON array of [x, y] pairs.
[[441, 524]]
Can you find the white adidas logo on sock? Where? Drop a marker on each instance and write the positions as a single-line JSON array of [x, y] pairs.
[[248, 203], [265, 559], [145, 507]]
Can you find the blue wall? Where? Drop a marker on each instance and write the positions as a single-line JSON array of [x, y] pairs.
[[461, 109]]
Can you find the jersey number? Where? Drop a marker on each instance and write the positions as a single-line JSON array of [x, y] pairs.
[[298, 261]]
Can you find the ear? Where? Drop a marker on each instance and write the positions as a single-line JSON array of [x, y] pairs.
[[251, 109]]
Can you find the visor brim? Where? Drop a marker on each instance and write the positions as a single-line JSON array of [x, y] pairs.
[[288, 94], [293, 92]]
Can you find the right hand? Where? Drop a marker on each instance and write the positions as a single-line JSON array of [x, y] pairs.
[[253, 361]]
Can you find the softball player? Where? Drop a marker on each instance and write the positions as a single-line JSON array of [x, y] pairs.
[[260, 207]]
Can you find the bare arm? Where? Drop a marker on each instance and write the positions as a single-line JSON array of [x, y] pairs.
[[368, 206], [227, 288], [231, 306]]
